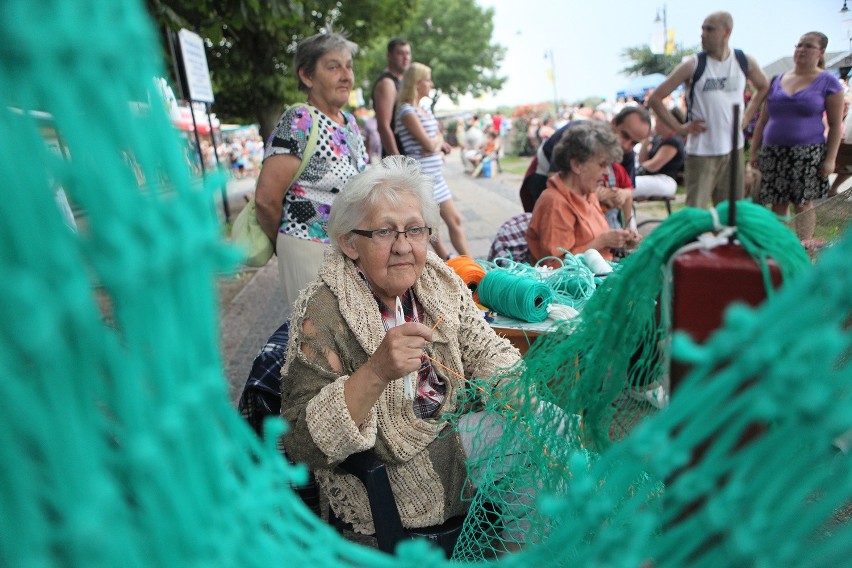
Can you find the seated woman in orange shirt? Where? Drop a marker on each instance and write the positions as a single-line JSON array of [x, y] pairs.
[[568, 214]]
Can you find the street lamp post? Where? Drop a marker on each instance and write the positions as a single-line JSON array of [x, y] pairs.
[[847, 27], [847, 23], [665, 28], [660, 38]]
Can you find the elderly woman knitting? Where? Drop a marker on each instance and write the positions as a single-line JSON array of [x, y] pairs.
[[568, 214], [350, 354]]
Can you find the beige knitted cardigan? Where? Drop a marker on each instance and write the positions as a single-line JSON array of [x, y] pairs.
[[427, 472]]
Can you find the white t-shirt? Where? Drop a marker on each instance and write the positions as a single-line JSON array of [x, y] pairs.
[[719, 88]]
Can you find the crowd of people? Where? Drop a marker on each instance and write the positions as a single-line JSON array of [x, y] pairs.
[[483, 140], [240, 153], [371, 304], [801, 111]]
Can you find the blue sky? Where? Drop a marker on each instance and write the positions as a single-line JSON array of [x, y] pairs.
[[587, 38]]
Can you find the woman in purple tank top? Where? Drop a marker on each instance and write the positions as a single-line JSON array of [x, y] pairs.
[[789, 146]]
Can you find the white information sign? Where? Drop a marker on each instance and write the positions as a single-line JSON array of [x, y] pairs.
[[195, 66]]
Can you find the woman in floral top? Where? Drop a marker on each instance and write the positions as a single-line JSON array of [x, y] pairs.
[[293, 212]]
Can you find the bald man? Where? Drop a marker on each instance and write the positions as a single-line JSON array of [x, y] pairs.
[[711, 98]]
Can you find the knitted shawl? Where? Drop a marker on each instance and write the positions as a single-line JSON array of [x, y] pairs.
[[335, 327]]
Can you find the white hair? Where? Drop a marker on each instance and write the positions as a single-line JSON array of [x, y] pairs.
[[392, 178]]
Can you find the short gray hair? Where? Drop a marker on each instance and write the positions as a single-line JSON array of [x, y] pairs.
[[392, 178], [585, 141], [311, 49]]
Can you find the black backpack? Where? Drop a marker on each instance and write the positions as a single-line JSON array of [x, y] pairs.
[[700, 65]]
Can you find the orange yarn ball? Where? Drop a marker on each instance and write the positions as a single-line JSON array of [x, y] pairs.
[[468, 270]]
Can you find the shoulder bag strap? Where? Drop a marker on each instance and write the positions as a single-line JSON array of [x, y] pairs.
[[742, 60], [700, 64], [311, 144]]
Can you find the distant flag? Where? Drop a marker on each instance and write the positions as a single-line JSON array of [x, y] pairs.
[[550, 76], [356, 97], [670, 46]]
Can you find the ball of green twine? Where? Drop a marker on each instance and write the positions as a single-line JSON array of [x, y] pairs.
[[514, 295]]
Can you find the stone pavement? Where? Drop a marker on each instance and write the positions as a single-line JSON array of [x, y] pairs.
[[255, 312], [484, 203]]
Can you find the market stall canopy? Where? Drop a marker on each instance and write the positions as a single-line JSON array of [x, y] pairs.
[[182, 119], [838, 62], [636, 87]]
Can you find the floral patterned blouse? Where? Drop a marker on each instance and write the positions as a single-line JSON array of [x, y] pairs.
[[339, 155]]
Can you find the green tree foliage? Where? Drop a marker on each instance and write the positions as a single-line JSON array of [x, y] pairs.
[[453, 37], [645, 63], [250, 44]]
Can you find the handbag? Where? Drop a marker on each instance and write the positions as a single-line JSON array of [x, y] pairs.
[[246, 232]]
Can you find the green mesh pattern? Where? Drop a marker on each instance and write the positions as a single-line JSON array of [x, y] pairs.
[[120, 447], [585, 385], [826, 222]]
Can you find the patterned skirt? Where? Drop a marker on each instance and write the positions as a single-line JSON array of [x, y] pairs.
[[791, 174]]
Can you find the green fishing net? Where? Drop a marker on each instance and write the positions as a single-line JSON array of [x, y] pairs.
[[585, 385], [824, 224], [120, 447]]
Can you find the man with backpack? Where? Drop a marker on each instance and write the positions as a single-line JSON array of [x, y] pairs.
[[715, 81], [385, 91]]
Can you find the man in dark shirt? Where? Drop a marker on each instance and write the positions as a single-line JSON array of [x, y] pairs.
[[385, 90], [632, 124]]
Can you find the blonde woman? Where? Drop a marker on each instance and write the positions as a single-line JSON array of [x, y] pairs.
[[421, 139]]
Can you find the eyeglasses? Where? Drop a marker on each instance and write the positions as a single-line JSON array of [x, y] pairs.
[[806, 46], [385, 235]]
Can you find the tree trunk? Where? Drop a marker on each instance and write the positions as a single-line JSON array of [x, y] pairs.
[[267, 117], [434, 101]]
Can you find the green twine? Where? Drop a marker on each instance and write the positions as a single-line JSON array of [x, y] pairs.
[[515, 295], [609, 366], [630, 350], [572, 284]]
